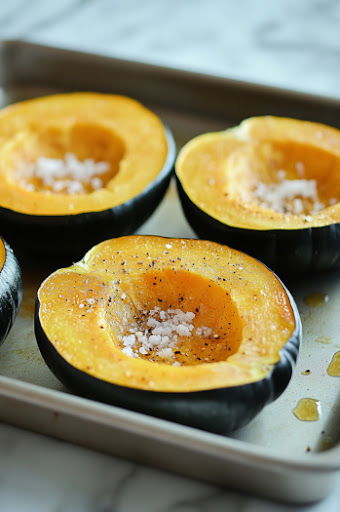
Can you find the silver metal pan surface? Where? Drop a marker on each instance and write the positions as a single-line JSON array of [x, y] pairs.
[[276, 455]]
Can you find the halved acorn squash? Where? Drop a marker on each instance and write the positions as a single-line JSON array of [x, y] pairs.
[[270, 187], [64, 212], [187, 330], [10, 288]]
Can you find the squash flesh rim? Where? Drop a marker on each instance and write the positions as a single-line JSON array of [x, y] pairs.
[[131, 180], [3, 254], [239, 369], [234, 213]]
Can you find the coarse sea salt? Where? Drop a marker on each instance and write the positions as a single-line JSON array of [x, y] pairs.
[[67, 176], [161, 332], [290, 196]]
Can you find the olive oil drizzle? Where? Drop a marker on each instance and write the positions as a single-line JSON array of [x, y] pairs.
[[324, 340], [307, 409], [315, 299], [334, 366]]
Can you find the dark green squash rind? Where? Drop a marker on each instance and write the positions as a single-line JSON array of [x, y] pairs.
[[216, 410], [68, 237], [10, 292], [285, 251]]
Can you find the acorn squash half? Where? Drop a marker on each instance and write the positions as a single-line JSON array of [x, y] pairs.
[[270, 187], [10, 288], [48, 209], [186, 330]]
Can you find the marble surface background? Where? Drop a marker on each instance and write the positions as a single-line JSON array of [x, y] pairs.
[[286, 43]]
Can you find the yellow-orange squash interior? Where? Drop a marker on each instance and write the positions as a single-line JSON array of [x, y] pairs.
[[219, 171], [110, 128], [84, 311]]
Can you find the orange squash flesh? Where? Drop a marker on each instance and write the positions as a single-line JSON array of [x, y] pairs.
[[109, 128], [218, 171], [2, 254], [82, 310]]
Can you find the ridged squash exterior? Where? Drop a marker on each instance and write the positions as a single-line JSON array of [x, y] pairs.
[[219, 382], [217, 174], [10, 289]]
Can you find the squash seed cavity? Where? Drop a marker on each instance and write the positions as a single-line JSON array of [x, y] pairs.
[[177, 318], [160, 337], [66, 176]]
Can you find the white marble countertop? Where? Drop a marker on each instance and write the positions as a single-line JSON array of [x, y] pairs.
[[285, 43]]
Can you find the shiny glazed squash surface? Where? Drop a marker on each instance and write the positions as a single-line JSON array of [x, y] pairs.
[[85, 310], [110, 128], [219, 171]]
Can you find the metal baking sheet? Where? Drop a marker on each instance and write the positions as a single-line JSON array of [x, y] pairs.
[[276, 455]]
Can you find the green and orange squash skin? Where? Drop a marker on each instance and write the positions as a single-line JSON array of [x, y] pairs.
[[10, 289], [218, 382], [118, 130], [216, 172]]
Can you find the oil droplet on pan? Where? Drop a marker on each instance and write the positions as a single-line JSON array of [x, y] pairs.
[[334, 366], [307, 409], [325, 340], [316, 299]]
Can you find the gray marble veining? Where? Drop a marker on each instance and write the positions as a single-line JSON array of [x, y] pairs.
[[286, 43], [39, 474]]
